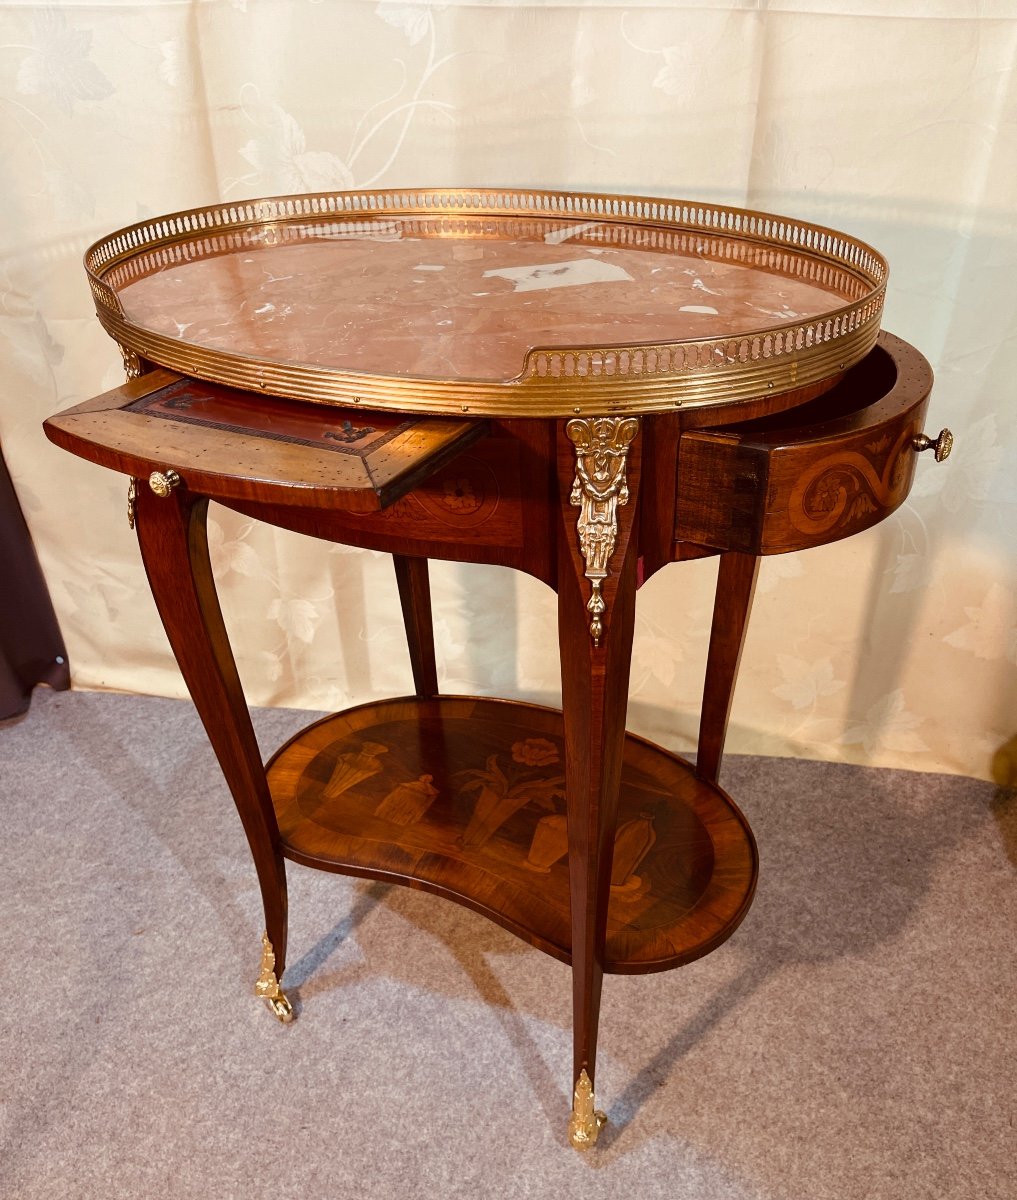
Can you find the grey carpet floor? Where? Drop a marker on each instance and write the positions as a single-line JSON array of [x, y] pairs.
[[854, 1039]]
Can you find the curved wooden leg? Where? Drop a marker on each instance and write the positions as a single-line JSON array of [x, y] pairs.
[[736, 583], [415, 598], [596, 603], [174, 547]]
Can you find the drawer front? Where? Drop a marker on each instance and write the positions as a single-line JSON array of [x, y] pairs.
[[834, 467]]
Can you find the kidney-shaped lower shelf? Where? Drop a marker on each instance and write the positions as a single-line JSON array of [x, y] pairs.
[[465, 797]]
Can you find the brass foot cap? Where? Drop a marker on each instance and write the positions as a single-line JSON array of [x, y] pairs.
[[586, 1121], [268, 987], [280, 1007], [583, 1136]]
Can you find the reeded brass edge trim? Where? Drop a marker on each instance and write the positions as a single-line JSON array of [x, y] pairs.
[[554, 381], [730, 383]]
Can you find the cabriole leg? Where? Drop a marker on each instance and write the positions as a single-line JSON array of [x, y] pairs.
[[174, 547]]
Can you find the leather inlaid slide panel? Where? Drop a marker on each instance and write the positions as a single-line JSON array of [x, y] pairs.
[[231, 445]]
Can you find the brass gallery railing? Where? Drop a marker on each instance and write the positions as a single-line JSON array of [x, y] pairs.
[[553, 380]]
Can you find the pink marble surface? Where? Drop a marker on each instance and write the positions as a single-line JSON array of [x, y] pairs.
[[465, 298]]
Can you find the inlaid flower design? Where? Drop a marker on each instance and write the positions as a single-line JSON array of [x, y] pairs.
[[826, 492], [459, 496], [502, 793], [535, 752]]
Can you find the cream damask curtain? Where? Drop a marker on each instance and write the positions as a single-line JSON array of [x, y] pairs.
[[895, 120]]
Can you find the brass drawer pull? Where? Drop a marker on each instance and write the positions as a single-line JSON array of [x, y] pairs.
[[163, 482], [942, 445]]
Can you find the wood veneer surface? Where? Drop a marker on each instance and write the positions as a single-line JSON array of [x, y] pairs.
[[465, 797]]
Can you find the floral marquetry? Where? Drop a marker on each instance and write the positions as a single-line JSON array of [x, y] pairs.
[[467, 798]]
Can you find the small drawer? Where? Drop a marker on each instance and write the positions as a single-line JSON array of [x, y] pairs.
[[814, 474]]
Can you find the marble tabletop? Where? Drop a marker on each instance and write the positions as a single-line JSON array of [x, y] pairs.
[[465, 298]]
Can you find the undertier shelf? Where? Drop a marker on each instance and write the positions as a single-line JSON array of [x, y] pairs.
[[465, 797]]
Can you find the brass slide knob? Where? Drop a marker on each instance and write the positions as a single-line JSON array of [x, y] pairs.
[[163, 482], [942, 445]]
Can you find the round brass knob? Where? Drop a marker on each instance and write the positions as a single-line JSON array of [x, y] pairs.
[[163, 482], [942, 445]]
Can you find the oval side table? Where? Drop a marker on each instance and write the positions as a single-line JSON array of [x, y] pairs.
[[585, 388]]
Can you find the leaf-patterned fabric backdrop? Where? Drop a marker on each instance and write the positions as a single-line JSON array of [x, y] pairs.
[[895, 120]]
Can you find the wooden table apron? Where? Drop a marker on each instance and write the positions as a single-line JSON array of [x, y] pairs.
[[517, 493]]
